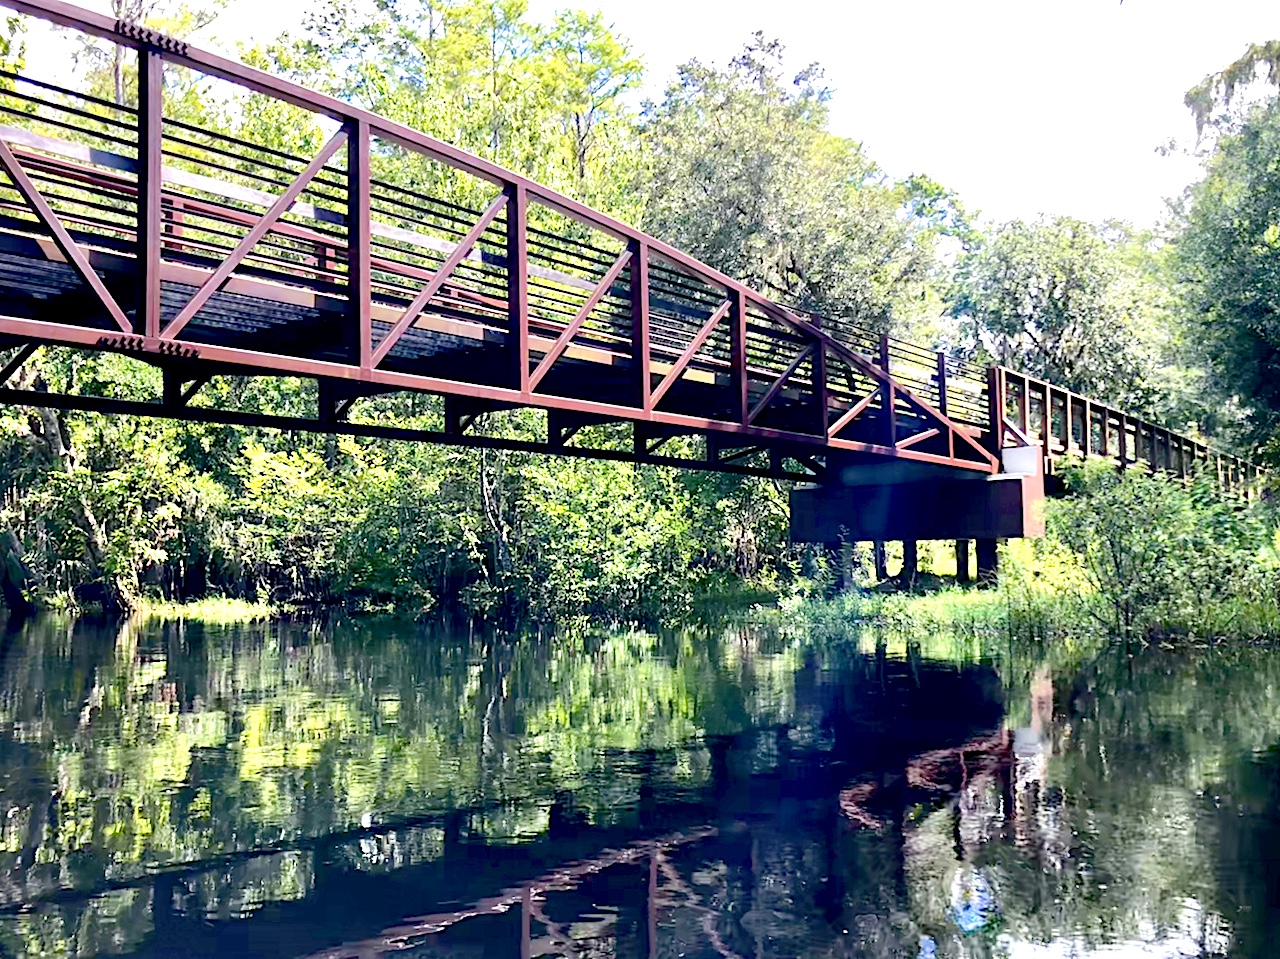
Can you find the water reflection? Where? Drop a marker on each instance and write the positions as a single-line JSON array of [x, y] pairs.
[[377, 789]]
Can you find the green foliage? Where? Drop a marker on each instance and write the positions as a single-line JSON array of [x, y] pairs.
[[1217, 91], [1160, 553], [1059, 299], [736, 165], [1228, 253], [746, 177]]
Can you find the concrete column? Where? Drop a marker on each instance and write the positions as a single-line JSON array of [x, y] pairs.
[[986, 561], [962, 561], [910, 559], [877, 552]]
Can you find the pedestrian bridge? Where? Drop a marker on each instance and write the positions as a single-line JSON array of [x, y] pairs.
[[387, 261]]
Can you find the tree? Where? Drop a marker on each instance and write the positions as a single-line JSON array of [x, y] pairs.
[[746, 177], [1218, 91], [1058, 299], [1229, 258], [544, 101]]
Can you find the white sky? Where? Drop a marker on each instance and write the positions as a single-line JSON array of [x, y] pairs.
[[1023, 107]]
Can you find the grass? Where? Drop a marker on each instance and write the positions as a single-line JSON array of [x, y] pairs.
[[215, 610]]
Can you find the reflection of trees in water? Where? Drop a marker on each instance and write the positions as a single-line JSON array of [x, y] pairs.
[[149, 747]]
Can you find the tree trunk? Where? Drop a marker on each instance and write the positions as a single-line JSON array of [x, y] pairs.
[[15, 578], [62, 457]]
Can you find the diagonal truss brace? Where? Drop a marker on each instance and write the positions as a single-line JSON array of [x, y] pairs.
[[781, 381], [460, 253], [853, 359], [73, 253], [569, 332], [690, 351], [250, 239]]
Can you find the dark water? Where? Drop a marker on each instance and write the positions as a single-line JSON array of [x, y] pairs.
[[378, 790]]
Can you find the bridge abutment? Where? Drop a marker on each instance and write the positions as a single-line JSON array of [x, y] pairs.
[[912, 502]]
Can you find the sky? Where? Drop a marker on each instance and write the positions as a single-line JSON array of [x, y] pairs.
[[1022, 107]]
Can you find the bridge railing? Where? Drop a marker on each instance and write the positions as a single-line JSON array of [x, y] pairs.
[[1070, 425]]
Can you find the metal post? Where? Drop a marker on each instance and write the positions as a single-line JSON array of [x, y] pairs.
[[359, 288], [878, 559], [942, 383], [987, 562], [962, 561], [818, 364], [886, 397], [640, 322], [149, 212], [738, 349], [995, 409], [518, 286]]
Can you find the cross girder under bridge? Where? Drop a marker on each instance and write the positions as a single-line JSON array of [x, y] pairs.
[[388, 261]]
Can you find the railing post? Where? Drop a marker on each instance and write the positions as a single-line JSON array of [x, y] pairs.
[[942, 383], [738, 349], [995, 408], [887, 398], [1123, 433], [1069, 423], [149, 211], [818, 364], [640, 323], [518, 285], [359, 287]]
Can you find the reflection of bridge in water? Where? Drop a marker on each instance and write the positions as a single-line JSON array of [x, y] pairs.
[[391, 262]]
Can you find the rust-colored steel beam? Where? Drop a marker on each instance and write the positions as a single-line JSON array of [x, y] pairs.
[[150, 189], [1137, 440], [250, 239], [562, 341], [446, 269], [699, 340], [73, 253], [201, 414]]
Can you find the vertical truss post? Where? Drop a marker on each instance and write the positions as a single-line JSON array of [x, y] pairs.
[[518, 285], [995, 409], [359, 287], [818, 364], [887, 397], [640, 322], [149, 211], [738, 351], [942, 383], [1046, 417]]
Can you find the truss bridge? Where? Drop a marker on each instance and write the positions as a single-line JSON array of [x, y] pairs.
[[385, 261]]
